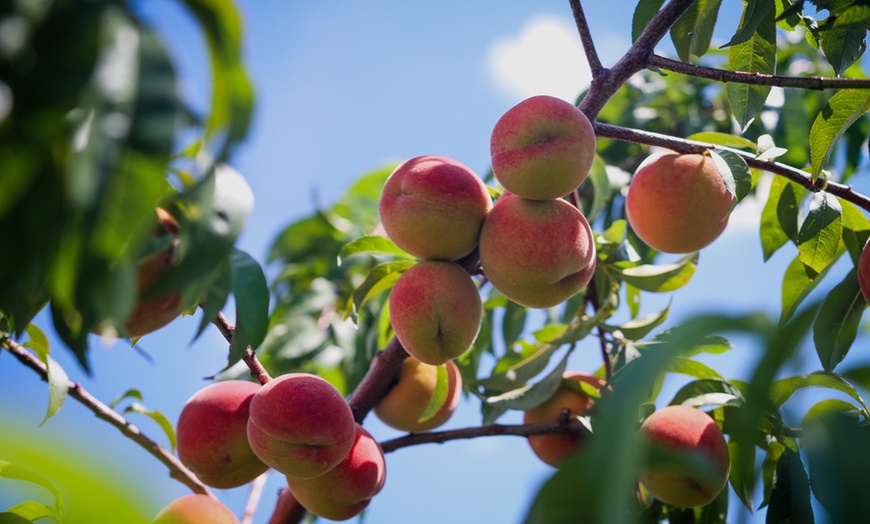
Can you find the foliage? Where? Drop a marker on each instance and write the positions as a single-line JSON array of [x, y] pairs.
[[86, 160]]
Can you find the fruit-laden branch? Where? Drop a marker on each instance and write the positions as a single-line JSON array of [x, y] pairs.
[[722, 75], [687, 146], [565, 425], [378, 380], [176, 469], [249, 357]]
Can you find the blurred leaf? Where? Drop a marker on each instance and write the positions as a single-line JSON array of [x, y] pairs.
[[796, 286], [827, 407], [708, 391], [832, 122], [643, 13], [836, 326], [723, 139], [130, 393], [513, 322], [157, 417], [753, 50], [790, 498], [531, 395], [601, 190], [439, 395], [12, 471], [779, 218], [783, 389], [692, 32], [58, 382], [658, 278], [638, 328], [379, 279], [252, 304], [372, 244], [742, 477], [819, 235], [693, 368], [507, 378], [32, 510]]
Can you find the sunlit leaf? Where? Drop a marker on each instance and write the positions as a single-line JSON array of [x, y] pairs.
[[723, 139], [439, 395], [753, 50], [637, 328], [819, 235], [58, 382], [157, 417], [658, 278], [783, 389], [251, 293], [531, 395], [841, 111], [734, 172], [379, 279], [779, 218], [374, 245]]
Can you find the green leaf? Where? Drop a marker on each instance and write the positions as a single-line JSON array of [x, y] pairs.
[[12, 471], [58, 382], [734, 172], [779, 218], [843, 44], [819, 235], [768, 150], [379, 279], [842, 110], [518, 373], [708, 391], [33, 510], [692, 32], [439, 395], [252, 304], [531, 395], [753, 50], [130, 393], [232, 99], [742, 476], [513, 322], [657, 279], [371, 244], [157, 417], [836, 325], [601, 190], [783, 389], [637, 328], [643, 13], [796, 286], [790, 497], [826, 407], [722, 139], [692, 368]]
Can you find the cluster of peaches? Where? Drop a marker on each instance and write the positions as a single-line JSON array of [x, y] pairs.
[[534, 247]]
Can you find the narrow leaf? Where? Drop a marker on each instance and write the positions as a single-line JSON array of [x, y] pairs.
[[251, 293], [790, 497], [723, 139], [531, 395], [379, 279], [373, 245], [836, 325], [779, 218], [658, 278], [439, 396], [58, 382], [157, 417], [753, 50], [842, 110], [819, 235]]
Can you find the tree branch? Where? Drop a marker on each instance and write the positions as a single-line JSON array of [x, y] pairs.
[[521, 430], [379, 379], [249, 357], [586, 39], [688, 146], [817, 83], [177, 470]]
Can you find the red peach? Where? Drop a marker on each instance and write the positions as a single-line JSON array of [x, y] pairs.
[[542, 148], [864, 272], [195, 509], [433, 207], [435, 310], [538, 253], [346, 489], [212, 438], [300, 425], [406, 401]]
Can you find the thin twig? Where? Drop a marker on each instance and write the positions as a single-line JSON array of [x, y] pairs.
[[586, 39], [249, 357], [688, 146], [816, 83], [521, 430], [254, 497], [177, 470]]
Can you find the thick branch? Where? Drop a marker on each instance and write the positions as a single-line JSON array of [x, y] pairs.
[[687, 146], [379, 379], [522, 430], [722, 75], [104, 412]]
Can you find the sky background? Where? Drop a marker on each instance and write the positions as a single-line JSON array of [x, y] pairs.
[[344, 87]]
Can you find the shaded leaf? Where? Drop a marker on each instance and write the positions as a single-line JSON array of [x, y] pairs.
[[251, 293], [842, 110], [779, 218], [531, 395], [783, 389], [790, 497], [692, 32], [836, 325], [643, 13], [637, 328], [439, 395], [710, 391], [796, 286], [379, 279], [734, 172], [753, 50]]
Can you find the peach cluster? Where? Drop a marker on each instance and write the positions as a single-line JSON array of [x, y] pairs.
[[297, 424]]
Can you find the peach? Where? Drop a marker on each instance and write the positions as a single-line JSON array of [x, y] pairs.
[[346, 489], [678, 203], [433, 207], [538, 253], [685, 429], [542, 148], [300, 425], [212, 437], [555, 448], [435, 310], [406, 401], [195, 509], [864, 272]]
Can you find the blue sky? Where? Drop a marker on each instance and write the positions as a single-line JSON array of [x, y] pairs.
[[343, 87]]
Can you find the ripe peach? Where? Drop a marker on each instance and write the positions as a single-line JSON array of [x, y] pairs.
[[433, 207], [678, 203], [542, 148], [684, 429], [345, 490], [402, 407], [435, 310], [212, 438], [195, 509], [300, 425], [538, 253], [555, 448], [864, 272]]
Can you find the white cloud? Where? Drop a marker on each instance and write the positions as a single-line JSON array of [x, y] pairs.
[[546, 57]]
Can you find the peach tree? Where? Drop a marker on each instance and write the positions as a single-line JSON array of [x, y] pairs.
[[587, 211]]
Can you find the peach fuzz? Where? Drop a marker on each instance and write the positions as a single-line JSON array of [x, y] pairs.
[[433, 207], [435, 310], [347, 489], [300, 425], [685, 429], [678, 203], [542, 148], [195, 509], [554, 449], [538, 253], [406, 401], [864, 272], [212, 438]]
